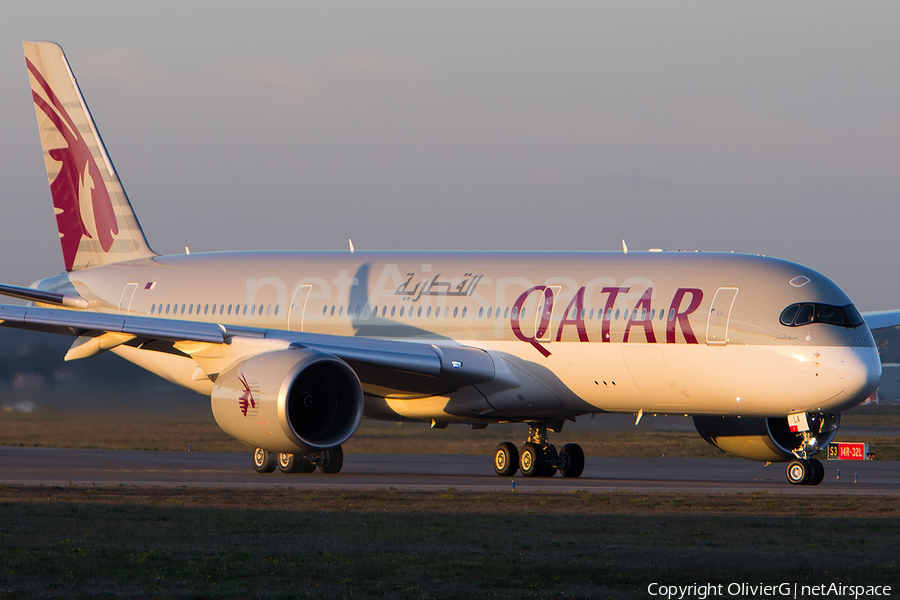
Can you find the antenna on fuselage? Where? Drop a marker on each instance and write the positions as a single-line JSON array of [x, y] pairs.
[[624, 247], [351, 245]]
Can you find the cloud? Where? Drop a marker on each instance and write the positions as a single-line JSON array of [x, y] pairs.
[[284, 86], [125, 67], [374, 65]]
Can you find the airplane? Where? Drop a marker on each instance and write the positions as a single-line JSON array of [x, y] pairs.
[[295, 347]]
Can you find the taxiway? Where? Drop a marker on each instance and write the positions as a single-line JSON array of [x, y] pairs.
[[54, 467]]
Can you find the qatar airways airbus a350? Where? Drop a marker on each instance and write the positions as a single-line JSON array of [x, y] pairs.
[[294, 348]]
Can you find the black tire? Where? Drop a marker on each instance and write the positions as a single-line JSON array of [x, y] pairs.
[[287, 463], [531, 460], [818, 471], [571, 460], [332, 460], [799, 472], [264, 461], [551, 456], [506, 459]]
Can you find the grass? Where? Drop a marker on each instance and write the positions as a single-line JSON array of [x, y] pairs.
[[239, 543]]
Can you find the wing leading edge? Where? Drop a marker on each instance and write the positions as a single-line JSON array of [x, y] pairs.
[[461, 365]]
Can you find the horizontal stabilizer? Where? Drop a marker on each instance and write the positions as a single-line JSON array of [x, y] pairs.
[[33, 295]]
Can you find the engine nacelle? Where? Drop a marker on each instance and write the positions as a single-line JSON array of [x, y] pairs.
[[292, 401], [764, 439]]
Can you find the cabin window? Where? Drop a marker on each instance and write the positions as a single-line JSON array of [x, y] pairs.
[[276, 309], [617, 314], [191, 309], [253, 310], [245, 309], [480, 312], [332, 310], [393, 310], [152, 309], [464, 312], [671, 314], [324, 310], [505, 312], [341, 310], [515, 312], [213, 309], [419, 313]]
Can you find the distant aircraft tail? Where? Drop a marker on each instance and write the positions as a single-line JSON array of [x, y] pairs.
[[96, 223]]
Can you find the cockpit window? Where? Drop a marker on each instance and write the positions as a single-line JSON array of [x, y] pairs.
[[806, 313]]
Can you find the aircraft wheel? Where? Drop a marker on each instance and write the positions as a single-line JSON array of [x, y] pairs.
[[818, 471], [506, 459], [531, 460], [287, 463], [264, 461], [799, 472], [332, 461], [551, 456], [571, 460]]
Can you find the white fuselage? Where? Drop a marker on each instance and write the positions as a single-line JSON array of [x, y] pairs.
[[576, 333]]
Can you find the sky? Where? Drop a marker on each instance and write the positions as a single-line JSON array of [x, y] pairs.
[[766, 127]]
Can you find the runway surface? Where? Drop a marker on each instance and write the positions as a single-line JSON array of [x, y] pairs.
[[52, 466]]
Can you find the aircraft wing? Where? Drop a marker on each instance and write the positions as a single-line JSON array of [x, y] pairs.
[[96, 332], [882, 319]]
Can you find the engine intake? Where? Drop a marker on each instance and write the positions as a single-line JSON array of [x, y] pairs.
[[292, 401], [764, 439]]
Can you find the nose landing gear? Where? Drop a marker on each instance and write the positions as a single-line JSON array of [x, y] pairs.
[[805, 471], [538, 458]]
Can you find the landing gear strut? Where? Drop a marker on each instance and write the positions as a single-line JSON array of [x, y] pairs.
[[328, 461], [538, 457], [815, 431]]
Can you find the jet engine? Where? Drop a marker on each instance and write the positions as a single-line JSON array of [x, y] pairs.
[[290, 401], [766, 439]]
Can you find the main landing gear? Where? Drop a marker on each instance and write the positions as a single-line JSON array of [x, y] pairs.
[[805, 471], [538, 458], [328, 461]]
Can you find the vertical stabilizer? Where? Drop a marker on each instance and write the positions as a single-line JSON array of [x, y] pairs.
[[96, 223]]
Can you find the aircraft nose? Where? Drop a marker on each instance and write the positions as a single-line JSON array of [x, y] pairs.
[[860, 372]]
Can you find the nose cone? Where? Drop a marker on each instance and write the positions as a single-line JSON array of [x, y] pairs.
[[860, 373]]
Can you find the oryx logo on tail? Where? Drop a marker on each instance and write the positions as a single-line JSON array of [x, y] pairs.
[[82, 203], [96, 223]]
